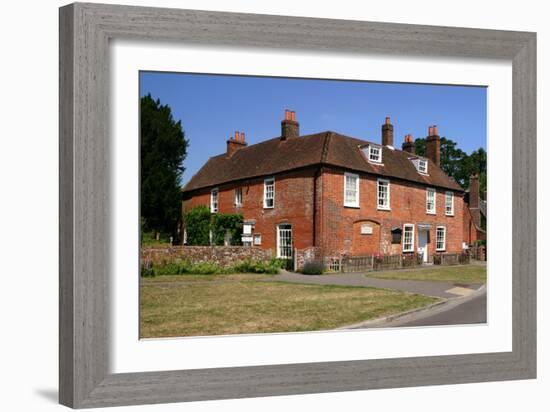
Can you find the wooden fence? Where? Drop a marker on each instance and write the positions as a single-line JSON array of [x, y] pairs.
[[347, 264]]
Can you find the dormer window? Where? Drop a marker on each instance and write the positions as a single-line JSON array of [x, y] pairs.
[[373, 153], [421, 165]]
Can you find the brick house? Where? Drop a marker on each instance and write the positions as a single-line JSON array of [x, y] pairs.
[[340, 194], [475, 213]]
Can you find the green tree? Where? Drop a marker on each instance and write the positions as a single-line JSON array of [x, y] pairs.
[[197, 226], [458, 164], [163, 149]]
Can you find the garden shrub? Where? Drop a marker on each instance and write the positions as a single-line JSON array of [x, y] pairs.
[[197, 225], [183, 267], [221, 223], [313, 268]]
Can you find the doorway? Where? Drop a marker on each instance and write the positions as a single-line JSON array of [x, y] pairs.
[[284, 241], [423, 244]]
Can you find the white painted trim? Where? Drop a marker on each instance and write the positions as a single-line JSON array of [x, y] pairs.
[[378, 181], [452, 213], [355, 204], [434, 191], [217, 192], [444, 238], [412, 237], [265, 192], [239, 190]]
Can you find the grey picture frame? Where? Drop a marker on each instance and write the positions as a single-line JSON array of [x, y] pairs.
[[85, 32]]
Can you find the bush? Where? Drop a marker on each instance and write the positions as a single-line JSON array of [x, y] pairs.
[[254, 266], [197, 225], [147, 272], [182, 267], [313, 268], [227, 222]]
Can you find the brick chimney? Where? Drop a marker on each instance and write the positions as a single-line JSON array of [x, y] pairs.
[[433, 145], [474, 199], [235, 143], [408, 144], [387, 133], [289, 126]]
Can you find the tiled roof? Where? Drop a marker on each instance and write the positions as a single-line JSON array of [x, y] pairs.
[[327, 148]]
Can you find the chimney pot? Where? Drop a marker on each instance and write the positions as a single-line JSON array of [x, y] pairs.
[[408, 144], [242, 137], [289, 126], [387, 120]]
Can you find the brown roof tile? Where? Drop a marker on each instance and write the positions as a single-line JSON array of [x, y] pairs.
[[328, 148]]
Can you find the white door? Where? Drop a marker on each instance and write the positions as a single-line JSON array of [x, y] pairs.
[[423, 244], [284, 241]]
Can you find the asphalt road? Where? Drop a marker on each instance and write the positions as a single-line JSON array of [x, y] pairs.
[[471, 311]]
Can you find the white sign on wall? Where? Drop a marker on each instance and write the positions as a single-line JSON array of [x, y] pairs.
[[366, 229]]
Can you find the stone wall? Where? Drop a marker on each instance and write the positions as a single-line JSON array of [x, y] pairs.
[[303, 256], [221, 255]]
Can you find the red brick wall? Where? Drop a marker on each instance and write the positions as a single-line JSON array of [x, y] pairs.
[[408, 205], [337, 228], [471, 233], [293, 204]]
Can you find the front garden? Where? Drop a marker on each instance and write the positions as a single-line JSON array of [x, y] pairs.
[[220, 304]]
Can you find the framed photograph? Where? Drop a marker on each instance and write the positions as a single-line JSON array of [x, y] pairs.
[[257, 205]]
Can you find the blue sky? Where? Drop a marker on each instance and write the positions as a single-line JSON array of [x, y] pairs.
[[212, 107]]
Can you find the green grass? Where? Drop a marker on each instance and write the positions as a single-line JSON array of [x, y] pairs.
[[148, 240], [191, 305], [465, 274]]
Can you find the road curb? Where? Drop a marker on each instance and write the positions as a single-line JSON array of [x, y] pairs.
[[440, 306]]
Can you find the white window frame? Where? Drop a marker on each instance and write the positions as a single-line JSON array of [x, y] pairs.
[[405, 226], [387, 206], [437, 229], [370, 153], [214, 200], [238, 196], [450, 195], [356, 177], [257, 239], [422, 162], [431, 190], [268, 182]]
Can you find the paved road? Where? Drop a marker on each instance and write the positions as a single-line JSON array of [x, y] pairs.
[[459, 311], [422, 287], [468, 312]]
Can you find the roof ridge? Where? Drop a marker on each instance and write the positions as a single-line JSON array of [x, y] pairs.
[[326, 143]]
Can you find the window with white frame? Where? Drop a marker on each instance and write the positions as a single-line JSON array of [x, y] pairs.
[[351, 190], [257, 239], [422, 166], [214, 201], [449, 203], [430, 201], [238, 196], [408, 237], [269, 193], [383, 194], [440, 238], [375, 154]]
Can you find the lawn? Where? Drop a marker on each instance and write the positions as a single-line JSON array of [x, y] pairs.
[[191, 305], [462, 274]]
